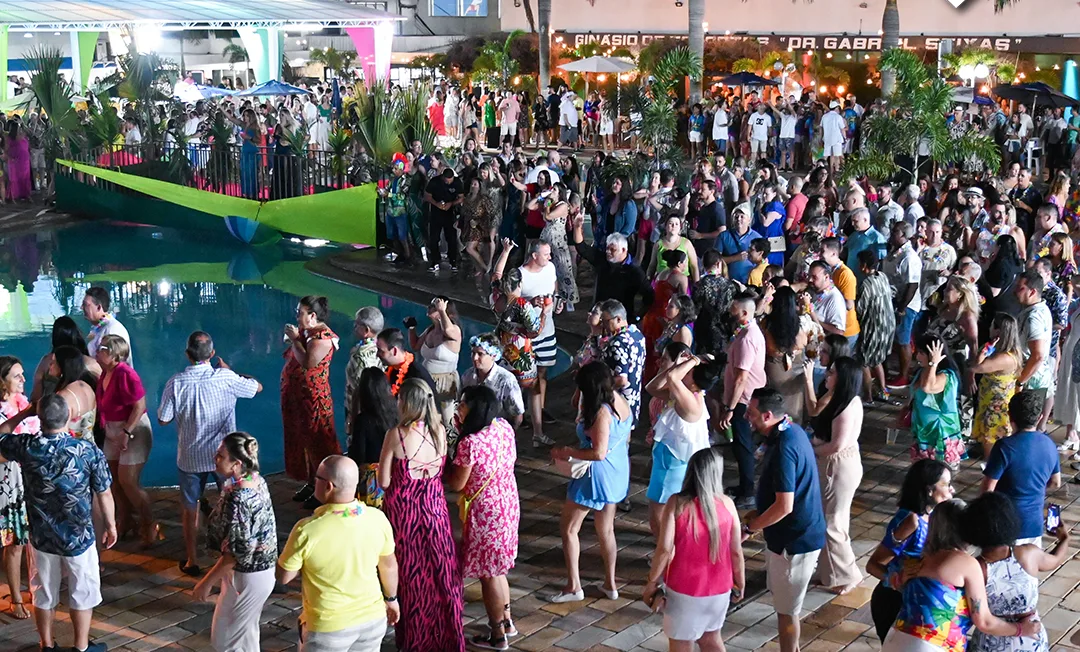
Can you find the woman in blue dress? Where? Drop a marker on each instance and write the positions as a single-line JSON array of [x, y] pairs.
[[770, 222], [603, 428], [249, 156]]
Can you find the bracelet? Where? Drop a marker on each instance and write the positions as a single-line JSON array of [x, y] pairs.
[[128, 433], [391, 598]]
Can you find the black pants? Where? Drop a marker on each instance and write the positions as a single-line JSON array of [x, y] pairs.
[[442, 225], [743, 442], [885, 606]]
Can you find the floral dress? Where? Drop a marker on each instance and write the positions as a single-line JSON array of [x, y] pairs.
[[933, 612], [935, 422], [478, 216], [877, 320], [489, 542], [14, 528], [992, 417], [554, 233], [307, 409], [519, 322]]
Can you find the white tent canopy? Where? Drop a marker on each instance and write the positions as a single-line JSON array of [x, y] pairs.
[[599, 64]]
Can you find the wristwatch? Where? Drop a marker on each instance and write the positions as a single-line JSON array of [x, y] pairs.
[[128, 433], [390, 598]]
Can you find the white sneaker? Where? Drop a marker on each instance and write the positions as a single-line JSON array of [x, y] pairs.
[[613, 594], [559, 598]]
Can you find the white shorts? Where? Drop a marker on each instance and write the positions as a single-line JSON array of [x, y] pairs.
[[1034, 541], [607, 126], [687, 618], [83, 580], [834, 149], [509, 129], [695, 136], [757, 146], [787, 577]]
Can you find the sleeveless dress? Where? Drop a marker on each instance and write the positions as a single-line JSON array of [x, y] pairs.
[[554, 233], [653, 324], [82, 427], [935, 422], [991, 421], [489, 541], [1010, 592], [934, 616], [661, 264], [429, 585], [1067, 403], [608, 480], [307, 410], [674, 441]]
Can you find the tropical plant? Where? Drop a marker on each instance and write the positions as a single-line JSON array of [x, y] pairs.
[[658, 127], [413, 114], [179, 167], [377, 122], [104, 126], [914, 123], [339, 62], [52, 93], [221, 167], [145, 80], [339, 143], [495, 66], [745, 64], [234, 54]]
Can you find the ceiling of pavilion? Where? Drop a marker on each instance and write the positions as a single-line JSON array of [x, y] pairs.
[[106, 14]]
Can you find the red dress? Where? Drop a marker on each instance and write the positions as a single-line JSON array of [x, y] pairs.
[[653, 324], [307, 409]]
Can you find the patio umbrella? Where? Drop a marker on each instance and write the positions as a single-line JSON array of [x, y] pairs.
[[748, 79], [1034, 93], [191, 93], [272, 87], [597, 65]]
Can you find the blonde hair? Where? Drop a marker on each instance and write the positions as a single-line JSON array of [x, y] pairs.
[[1058, 185], [417, 404], [117, 347], [1066, 243], [969, 299]]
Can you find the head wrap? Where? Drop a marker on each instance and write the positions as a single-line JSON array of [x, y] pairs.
[[486, 345]]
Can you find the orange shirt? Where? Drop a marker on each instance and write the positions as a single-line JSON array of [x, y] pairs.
[[844, 279]]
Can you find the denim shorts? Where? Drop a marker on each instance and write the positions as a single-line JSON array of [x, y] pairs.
[[397, 226], [787, 145], [192, 485], [905, 326]]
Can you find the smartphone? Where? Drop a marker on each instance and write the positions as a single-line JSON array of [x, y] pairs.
[[409, 322], [1053, 517]]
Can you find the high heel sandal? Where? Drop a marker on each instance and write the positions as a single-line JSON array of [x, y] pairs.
[[1069, 445]]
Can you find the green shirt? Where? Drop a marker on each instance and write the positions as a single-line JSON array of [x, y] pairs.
[[1074, 121]]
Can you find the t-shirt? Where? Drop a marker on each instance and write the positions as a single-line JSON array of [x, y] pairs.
[[903, 267], [757, 275], [832, 128], [789, 466], [510, 108], [1022, 464], [1036, 323], [760, 123], [337, 551], [831, 309], [747, 353], [852, 120], [844, 280], [540, 284], [861, 240], [787, 125], [709, 218], [720, 125], [730, 244], [441, 191], [108, 325], [1074, 121]]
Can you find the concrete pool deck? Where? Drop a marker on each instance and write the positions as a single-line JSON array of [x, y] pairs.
[[148, 606]]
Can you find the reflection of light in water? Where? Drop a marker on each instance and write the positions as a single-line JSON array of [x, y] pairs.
[[22, 312], [315, 242], [163, 288]]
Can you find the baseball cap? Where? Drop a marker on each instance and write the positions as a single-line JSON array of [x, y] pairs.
[[834, 104], [974, 190], [742, 208]]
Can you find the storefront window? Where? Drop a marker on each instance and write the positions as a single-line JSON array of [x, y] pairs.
[[466, 8]]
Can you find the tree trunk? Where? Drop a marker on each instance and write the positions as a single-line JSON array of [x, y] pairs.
[[697, 42], [529, 15], [544, 27], [890, 28]]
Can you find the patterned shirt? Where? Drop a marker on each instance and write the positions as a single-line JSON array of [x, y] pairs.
[[365, 354], [202, 400], [108, 325], [624, 353], [505, 385], [243, 525], [60, 473], [1059, 313], [712, 296]]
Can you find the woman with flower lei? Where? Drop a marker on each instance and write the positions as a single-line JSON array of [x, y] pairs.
[[519, 319]]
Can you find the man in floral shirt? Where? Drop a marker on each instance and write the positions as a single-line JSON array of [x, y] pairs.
[[624, 353], [63, 476], [366, 327]]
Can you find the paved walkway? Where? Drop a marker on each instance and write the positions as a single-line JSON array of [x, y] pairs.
[[148, 605]]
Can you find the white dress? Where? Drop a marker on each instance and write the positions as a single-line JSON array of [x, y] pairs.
[[1067, 398], [451, 113], [1010, 591]]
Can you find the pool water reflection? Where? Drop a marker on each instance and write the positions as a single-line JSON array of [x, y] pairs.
[[165, 284]]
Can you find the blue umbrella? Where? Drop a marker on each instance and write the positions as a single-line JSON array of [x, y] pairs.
[[748, 79], [272, 87], [982, 100]]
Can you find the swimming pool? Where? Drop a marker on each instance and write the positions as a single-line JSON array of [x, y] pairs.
[[166, 283]]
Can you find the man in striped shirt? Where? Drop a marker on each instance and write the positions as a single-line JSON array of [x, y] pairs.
[[202, 401]]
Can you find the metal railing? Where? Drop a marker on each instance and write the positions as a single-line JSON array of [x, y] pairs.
[[259, 173]]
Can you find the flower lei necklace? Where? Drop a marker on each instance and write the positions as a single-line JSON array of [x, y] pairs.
[[738, 329], [401, 370]]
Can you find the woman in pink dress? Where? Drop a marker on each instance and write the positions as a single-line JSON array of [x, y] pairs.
[[483, 471], [18, 163]]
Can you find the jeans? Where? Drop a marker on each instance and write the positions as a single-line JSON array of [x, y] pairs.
[[743, 441], [442, 225]]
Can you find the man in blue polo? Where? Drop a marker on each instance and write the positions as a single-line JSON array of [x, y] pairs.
[[788, 510], [1024, 465]]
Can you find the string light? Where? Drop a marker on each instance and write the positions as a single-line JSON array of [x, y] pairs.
[[840, 89], [828, 55], [869, 82], [849, 56], [809, 53], [866, 57], [1057, 67]]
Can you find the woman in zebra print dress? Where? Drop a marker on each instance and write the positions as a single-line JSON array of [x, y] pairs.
[[873, 305]]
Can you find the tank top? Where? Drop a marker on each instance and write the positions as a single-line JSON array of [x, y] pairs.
[[661, 264], [681, 437], [691, 571], [935, 612], [439, 359], [1010, 592]]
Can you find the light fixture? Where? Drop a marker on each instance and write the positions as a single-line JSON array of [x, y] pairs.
[[148, 39], [866, 57], [982, 71], [56, 34], [1038, 69], [727, 32], [601, 78], [840, 89], [1022, 76], [517, 80], [881, 32], [28, 35], [705, 26], [163, 288], [768, 73], [1057, 67], [678, 3], [809, 53], [869, 82], [823, 89], [828, 55]]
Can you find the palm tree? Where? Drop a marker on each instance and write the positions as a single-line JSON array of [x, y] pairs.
[[53, 94], [544, 9], [337, 61], [235, 54], [697, 42], [495, 58]]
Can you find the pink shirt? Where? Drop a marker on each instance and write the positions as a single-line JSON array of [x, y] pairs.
[[691, 571], [746, 352], [795, 208], [125, 388]]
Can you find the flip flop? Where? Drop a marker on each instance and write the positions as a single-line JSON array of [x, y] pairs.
[[191, 571]]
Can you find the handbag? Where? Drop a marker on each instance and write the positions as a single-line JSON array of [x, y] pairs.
[[573, 468], [465, 502]]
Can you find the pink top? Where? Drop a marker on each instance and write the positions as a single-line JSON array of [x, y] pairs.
[[125, 388], [746, 352], [691, 572]]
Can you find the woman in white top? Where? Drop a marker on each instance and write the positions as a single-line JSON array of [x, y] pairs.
[[837, 419], [439, 346], [682, 428], [452, 114]]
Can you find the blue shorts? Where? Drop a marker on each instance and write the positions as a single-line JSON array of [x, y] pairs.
[[397, 226], [787, 145], [667, 474], [905, 326], [852, 341], [192, 485]]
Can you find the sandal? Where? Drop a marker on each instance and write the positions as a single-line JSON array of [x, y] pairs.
[[490, 642], [152, 536], [18, 608]]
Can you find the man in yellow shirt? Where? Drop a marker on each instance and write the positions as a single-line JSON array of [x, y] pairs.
[[844, 280], [345, 554]]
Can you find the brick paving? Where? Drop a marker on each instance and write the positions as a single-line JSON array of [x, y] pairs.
[[148, 605]]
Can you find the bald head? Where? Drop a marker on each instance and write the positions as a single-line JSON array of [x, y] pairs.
[[339, 475]]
